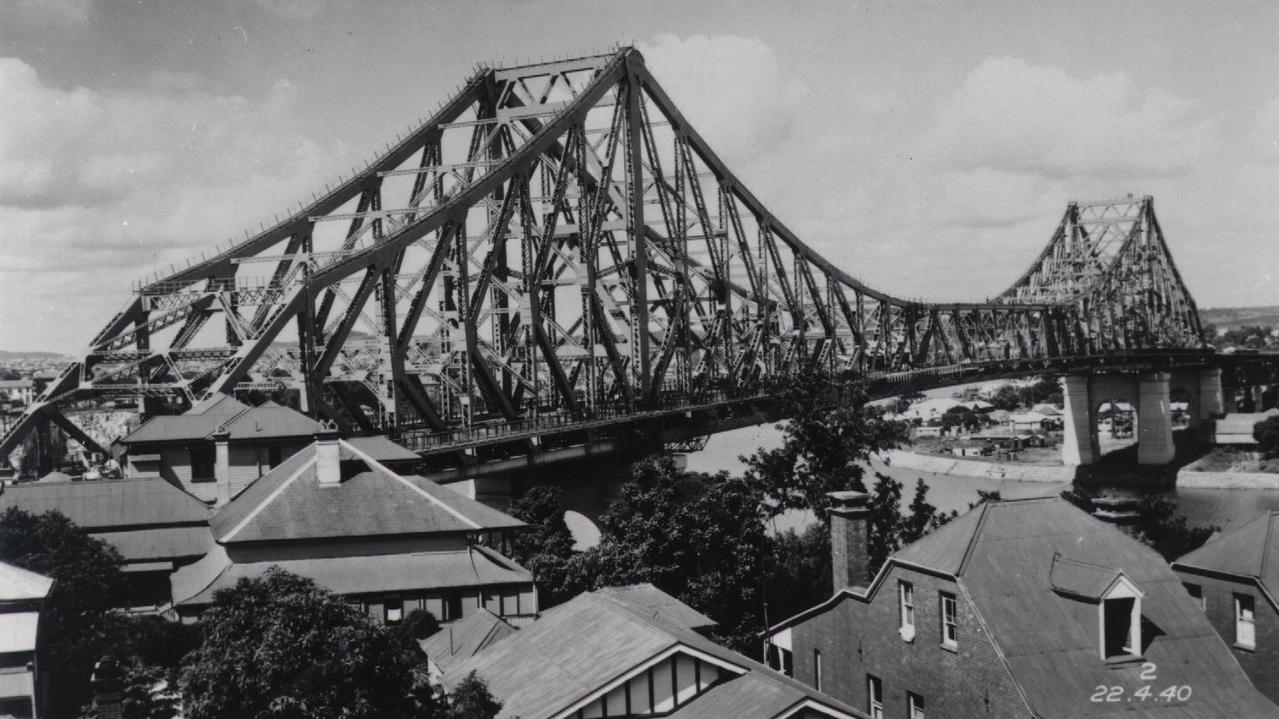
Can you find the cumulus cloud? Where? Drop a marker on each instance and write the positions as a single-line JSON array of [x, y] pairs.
[[115, 184], [1012, 115]]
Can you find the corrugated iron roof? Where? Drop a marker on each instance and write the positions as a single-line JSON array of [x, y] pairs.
[[195, 585], [288, 503], [18, 631], [160, 543], [579, 647], [662, 605], [271, 421], [382, 449], [1081, 579], [198, 422], [19, 585], [464, 638], [109, 503], [1247, 551]]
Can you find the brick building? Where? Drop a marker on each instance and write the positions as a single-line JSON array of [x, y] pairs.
[[1028, 608], [1234, 579], [389, 542]]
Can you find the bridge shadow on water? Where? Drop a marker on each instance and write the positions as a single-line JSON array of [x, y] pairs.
[[1118, 472]]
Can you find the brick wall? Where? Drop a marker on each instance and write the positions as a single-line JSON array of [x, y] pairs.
[[857, 638], [1261, 664]]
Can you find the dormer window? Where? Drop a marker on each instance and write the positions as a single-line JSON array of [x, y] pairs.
[[1120, 616]]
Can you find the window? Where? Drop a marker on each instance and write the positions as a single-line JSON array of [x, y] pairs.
[[393, 611], [453, 607], [273, 456], [949, 621], [202, 462], [1196, 593], [906, 594], [914, 706], [874, 697], [817, 670], [779, 659], [1245, 622]]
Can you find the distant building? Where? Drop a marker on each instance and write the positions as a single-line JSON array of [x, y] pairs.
[[1236, 428], [1234, 579], [221, 445], [1027, 608], [631, 652], [22, 593], [391, 543], [18, 390], [155, 526]]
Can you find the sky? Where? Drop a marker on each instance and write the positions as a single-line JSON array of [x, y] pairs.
[[927, 148]]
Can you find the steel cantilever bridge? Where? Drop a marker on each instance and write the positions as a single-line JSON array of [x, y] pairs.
[[557, 251]]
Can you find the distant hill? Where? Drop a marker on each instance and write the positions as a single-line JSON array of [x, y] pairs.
[[1228, 317], [44, 356]]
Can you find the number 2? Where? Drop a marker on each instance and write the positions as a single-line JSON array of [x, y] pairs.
[[1098, 693], [1148, 672], [1115, 693]]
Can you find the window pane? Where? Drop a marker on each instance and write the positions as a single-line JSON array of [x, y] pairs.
[[1245, 621]]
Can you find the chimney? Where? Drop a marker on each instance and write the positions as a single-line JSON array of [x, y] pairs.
[[222, 465], [849, 539], [328, 464]]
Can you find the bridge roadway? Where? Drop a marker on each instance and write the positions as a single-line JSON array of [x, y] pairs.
[[500, 447]]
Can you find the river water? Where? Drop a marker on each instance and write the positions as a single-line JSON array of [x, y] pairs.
[[1226, 508]]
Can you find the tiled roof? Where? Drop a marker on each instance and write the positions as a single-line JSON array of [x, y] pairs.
[[595, 638], [18, 584], [1251, 550], [460, 640], [366, 574], [109, 503], [288, 503]]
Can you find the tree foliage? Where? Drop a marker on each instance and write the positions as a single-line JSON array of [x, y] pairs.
[[87, 585], [963, 417], [1266, 432], [471, 699], [280, 646], [831, 435], [545, 548], [1006, 397]]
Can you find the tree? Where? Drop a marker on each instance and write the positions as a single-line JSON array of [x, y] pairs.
[[545, 548], [825, 445], [418, 624], [1006, 397], [799, 571], [471, 699], [1045, 390], [281, 646], [1266, 432], [87, 585], [961, 416]]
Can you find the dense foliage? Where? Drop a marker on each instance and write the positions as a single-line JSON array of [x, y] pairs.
[[1266, 432], [75, 623], [471, 699], [280, 646]]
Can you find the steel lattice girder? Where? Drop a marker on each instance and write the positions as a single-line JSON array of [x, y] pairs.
[[557, 239]]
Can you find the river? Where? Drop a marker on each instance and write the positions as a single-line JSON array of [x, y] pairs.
[[1226, 508]]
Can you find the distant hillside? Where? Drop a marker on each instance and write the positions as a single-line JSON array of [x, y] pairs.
[[43, 356], [1227, 317]]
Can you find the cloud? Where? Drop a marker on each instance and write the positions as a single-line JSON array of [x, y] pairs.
[[1014, 116], [113, 185]]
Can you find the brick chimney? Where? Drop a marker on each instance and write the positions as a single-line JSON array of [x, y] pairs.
[[849, 539], [328, 458]]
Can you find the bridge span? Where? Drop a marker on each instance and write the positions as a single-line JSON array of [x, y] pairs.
[[556, 259]]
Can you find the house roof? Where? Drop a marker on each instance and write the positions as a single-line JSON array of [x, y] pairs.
[[289, 503], [109, 503], [16, 383], [460, 640], [20, 585], [1008, 558], [1250, 551], [580, 647], [198, 422], [195, 584], [1242, 423], [382, 449], [159, 543], [646, 597], [271, 421], [18, 631]]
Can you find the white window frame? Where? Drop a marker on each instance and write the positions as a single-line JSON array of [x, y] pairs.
[[1121, 588], [906, 609], [874, 697], [1245, 621], [949, 620], [817, 669], [915, 705]]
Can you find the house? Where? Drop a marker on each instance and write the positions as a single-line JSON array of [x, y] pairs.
[[389, 542], [1024, 608], [1234, 578], [20, 391], [633, 652], [155, 526], [221, 445], [22, 593], [1033, 421]]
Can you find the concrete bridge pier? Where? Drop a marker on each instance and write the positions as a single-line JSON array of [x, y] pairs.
[[1154, 419], [1079, 443], [1212, 402]]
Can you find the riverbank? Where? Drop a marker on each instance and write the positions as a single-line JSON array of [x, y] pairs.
[[952, 466]]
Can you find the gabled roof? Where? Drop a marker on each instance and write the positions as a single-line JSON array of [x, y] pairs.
[[288, 503], [599, 638], [462, 639], [19, 585], [1005, 556], [198, 422], [1248, 551], [664, 607], [109, 503]]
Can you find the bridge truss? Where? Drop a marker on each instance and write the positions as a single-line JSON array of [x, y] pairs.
[[558, 244]]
